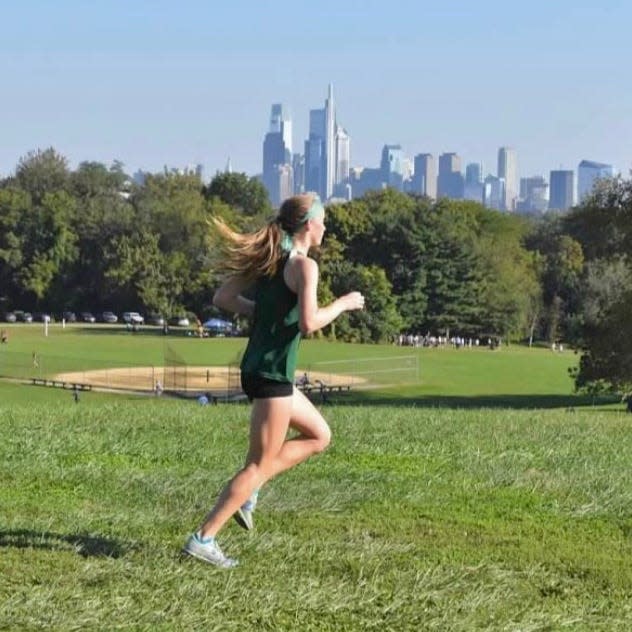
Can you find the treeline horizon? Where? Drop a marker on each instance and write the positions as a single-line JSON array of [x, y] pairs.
[[92, 239]]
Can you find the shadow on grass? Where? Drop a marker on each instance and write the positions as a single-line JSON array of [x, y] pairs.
[[84, 545], [569, 402]]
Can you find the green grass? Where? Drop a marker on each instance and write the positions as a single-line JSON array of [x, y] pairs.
[[515, 376], [415, 518], [484, 496]]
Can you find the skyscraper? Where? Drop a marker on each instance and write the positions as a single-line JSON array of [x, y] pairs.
[[587, 174], [280, 121], [425, 176], [330, 143], [473, 189], [327, 149], [285, 179], [277, 153], [343, 161], [298, 166], [533, 195], [508, 171], [562, 186], [494, 192], [315, 155], [450, 180], [392, 166]]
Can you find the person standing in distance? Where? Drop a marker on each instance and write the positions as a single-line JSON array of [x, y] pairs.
[[274, 261]]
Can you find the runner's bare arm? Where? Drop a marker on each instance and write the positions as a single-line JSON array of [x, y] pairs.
[[303, 277], [229, 296]]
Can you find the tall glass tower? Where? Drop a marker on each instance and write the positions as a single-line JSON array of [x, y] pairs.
[[561, 189], [508, 171], [326, 151], [330, 143], [425, 177], [315, 156], [343, 160], [277, 154], [450, 181], [588, 173]]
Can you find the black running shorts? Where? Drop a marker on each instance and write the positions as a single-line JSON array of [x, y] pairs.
[[259, 387]]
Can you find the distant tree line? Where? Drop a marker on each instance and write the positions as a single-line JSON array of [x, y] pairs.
[[93, 239]]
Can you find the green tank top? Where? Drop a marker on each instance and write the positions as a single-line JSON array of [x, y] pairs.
[[273, 345]]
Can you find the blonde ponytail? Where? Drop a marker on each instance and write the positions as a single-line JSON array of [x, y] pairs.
[[253, 255], [250, 255]]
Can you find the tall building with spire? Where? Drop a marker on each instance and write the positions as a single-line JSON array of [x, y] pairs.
[[327, 151]]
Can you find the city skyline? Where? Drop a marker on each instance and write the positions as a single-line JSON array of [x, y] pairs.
[[154, 84], [324, 168]]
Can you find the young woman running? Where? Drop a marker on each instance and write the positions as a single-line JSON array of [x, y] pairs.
[[274, 260]]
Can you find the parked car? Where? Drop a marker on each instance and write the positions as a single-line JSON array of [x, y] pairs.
[[156, 319], [87, 317], [109, 317], [10, 317], [23, 317], [179, 321], [133, 318], [69, 317]]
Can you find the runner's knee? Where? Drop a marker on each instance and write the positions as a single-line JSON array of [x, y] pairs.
[[323, 439]]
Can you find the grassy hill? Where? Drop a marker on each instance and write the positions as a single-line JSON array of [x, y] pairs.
[[477, 492], [415, 518]]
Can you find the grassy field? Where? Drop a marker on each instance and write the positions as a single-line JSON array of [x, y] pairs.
[[451, 504], [514, 376]]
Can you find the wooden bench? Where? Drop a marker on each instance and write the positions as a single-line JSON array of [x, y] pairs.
[[73, 386], [323, 389]]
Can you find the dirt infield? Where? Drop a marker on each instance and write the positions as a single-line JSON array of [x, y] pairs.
[[190, 378]]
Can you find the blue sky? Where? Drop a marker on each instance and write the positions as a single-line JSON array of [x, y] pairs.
[[175, 83]]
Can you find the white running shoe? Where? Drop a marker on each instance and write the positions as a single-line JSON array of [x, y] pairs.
[[243, 516], [207, 550]]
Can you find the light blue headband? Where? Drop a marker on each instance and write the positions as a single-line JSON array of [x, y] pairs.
[[315, 210]]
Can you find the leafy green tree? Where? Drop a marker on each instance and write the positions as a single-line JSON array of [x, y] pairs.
[[103, 215], [561, 260], [385, 229], [38, 243], [48, 243], [15, 205], [172, 206], [602, 224], [511, 296], [245, 194], [94, 179], [454, 289], [380, 321], [140, 271], [41, 172], [606, 358]]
